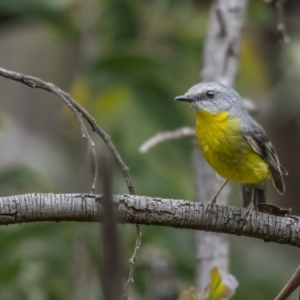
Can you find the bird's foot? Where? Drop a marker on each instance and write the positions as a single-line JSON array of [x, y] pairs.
[[210, 206], [248, 213]]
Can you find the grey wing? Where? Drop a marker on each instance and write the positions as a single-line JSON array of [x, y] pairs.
[[260, 143]]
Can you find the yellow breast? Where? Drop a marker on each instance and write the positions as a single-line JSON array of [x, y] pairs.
[[226, 150]]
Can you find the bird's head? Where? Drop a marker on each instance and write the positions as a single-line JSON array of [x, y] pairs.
[[214, 97]]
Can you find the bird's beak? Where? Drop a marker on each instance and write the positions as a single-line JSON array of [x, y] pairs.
[[184, 98]]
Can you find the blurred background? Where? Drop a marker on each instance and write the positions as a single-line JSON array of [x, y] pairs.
[[125, 61]]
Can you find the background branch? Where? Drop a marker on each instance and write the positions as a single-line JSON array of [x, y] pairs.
[[291, 286], [161, 137], [79, 112], [149, 211], [220, 63]]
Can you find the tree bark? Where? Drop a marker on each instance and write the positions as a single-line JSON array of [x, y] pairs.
[[144, 210]]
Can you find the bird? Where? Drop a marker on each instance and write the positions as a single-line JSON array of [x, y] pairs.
[[233, 143]]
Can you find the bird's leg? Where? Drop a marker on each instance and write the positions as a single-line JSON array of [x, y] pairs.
[[211, 204], [248, 212]]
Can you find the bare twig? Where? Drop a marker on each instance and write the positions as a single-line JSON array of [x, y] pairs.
[[80, 112], [149, 211], [133, 257], [38, 83], [281, 25], [165, 136], [291, 286], [85, 135]]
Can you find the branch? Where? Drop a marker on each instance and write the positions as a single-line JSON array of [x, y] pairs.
[[166, 136], [149, 211], [80, 113], [291, 286]]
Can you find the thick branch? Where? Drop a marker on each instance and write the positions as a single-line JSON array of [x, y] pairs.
[[149, 211]]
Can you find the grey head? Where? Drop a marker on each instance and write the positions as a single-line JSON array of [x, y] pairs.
[[215, 97]]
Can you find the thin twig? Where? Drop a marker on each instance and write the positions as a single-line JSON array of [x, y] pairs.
[[165, 136], [133, 258], [80, 112], [291, 286], [85, 135], [138, 241], [38, 83]]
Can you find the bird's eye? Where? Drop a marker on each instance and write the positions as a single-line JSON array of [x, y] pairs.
[[210, 95]]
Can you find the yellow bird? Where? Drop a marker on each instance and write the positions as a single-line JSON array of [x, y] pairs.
[[233, 143]]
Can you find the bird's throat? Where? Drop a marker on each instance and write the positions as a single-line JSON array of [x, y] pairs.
[[215, 131]]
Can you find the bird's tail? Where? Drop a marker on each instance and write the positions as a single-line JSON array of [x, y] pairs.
[[259, 193]]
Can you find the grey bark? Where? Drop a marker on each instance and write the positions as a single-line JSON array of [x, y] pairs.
[[149, 211], [220, 63]]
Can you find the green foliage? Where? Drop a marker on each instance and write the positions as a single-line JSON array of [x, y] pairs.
[[123, 20], [54, 13], [19, 179]]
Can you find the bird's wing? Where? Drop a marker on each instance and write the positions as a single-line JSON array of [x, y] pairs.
[[258, 140]]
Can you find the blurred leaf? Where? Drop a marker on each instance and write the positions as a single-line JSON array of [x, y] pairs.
[[189, 294], [106, 104], [112, 100], [220, 287], [80, 90]]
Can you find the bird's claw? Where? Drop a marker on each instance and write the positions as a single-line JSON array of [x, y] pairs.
[[247, 215], [210, 206]]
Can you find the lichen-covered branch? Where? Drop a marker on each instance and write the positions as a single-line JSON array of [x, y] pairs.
[[149, 211]]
